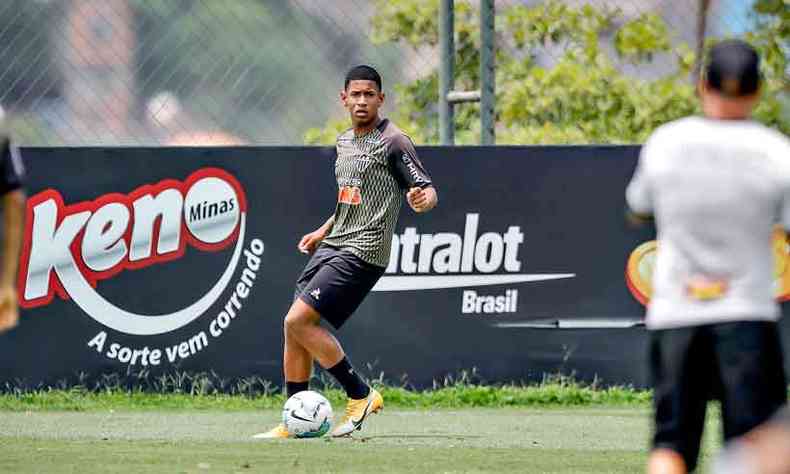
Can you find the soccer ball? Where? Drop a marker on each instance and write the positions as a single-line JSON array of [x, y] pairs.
[[307, 414]]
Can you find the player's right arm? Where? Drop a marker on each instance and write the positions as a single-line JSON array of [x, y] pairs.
[[13, 198], [311, 241]]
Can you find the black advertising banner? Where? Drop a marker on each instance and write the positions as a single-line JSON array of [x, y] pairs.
[[184, 259]]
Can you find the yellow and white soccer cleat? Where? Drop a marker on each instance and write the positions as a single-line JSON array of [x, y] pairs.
[[356, 413], [278, 432]]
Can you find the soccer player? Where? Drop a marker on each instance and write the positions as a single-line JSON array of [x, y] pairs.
[[376, 165], [11, 177], [717, 185]]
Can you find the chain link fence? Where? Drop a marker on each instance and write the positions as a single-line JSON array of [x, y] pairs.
[[203, 72]]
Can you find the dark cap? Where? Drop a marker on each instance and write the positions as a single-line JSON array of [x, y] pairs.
[[733, 68]]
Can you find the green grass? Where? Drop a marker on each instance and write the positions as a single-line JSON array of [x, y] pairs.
[[554, 394], [534, 440], [557, 426]]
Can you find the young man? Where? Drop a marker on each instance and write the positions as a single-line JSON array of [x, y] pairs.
[[717, 185], [376, 164], [11, 177]]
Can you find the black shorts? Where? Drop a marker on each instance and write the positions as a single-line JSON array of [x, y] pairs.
[[740, 364], [334, 282]]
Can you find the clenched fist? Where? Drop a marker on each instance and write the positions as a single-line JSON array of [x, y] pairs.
[[310, 242], [422, 199]]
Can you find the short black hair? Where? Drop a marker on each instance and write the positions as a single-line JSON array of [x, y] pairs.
[[362, 73], [733, 68]]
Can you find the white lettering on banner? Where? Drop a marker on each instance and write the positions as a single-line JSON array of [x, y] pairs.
[[166, 205], [117, 231], [187, 348], [234, 305], [50, 247], [102, 244], [106, 222], [448, 252], [68, 249], [131, 356], [449, 260], [98, 341], [472, 303]]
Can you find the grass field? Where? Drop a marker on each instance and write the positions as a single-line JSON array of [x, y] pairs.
[[534, 440]]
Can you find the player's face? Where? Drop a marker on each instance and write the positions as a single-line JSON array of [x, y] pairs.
[[362, 99]]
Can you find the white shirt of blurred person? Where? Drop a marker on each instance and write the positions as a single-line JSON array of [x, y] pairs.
[[12, 173], [716, 185]]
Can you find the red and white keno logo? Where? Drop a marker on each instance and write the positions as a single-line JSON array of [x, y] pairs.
[[67, 249]]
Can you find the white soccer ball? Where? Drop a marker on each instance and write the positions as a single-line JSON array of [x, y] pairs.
[[307, 414]]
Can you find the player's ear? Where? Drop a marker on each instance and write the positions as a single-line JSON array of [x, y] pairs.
[[759, 92], [701, 86]]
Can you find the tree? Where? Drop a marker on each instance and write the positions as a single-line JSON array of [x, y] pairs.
[[583, 94]]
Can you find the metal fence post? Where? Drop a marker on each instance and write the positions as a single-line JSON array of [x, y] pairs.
[[446, 72], [487, 74], [702, 24]]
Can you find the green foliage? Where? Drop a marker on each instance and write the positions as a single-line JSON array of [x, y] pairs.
[[411, 22], [555, 23], [28, 128], [546, 395], [641, 38], [327, 134], [583, 94], [553, 393], [777, 13]]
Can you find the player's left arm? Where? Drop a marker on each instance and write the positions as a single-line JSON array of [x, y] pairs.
[[13, 198], [411, 175], [638, 194], [422, 199], [13, 222]]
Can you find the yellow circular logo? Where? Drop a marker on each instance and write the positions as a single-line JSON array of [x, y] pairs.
[[639, 269]]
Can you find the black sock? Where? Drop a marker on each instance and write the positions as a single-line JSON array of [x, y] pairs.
[[355, 387], [295, 387]]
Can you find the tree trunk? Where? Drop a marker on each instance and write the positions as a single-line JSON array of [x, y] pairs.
[[702, 23]]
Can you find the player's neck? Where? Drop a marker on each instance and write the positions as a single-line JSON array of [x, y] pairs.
[[360, 130], [715, 107], [722, 115]]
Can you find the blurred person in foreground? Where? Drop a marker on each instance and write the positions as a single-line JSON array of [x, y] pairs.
[[13, 196], [376, 167], [716, 185], [765, 450]]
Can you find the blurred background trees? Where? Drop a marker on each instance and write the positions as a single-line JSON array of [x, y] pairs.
[[151, 72], [568, 73]]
